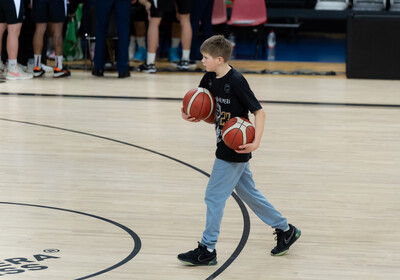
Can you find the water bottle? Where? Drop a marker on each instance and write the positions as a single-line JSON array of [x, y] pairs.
[[271, 45], [232, 39]]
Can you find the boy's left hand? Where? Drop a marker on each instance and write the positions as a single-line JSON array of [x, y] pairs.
[[247, 148], [187, 117]]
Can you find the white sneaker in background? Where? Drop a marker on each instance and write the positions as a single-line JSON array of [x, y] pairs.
[[31, 65], [51, 55], [18, 74], [22, 67], [47, 69], [26, 68], [2, 70]]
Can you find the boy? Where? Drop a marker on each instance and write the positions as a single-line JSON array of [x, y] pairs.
[[233, 97]]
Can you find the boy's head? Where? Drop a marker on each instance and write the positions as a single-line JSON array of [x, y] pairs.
[[217, 46]]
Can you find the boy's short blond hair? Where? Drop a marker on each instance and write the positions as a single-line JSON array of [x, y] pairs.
[[217, 46]]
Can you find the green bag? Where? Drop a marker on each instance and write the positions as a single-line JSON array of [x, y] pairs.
[[72, 42]]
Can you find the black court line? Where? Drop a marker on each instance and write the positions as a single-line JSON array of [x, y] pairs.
[[246, 217], [134, 236], [301, 103]]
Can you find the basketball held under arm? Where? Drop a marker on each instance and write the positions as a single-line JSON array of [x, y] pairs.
[[259, 122]]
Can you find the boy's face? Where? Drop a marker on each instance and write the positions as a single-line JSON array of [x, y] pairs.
[[211, 63]]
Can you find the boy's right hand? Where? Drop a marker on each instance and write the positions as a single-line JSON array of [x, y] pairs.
[[187, 117]]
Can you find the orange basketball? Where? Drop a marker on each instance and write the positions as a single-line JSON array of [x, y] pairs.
[[199, 103], [238, 131], [211, 118]]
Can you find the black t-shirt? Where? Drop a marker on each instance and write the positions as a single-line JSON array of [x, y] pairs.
[[233, 98]]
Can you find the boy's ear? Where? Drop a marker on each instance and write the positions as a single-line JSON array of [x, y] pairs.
[[220, 59]]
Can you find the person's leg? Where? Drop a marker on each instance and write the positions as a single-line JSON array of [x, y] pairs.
[[38, 42], [152, 45], [25, 52], [40, 16], [257, 202], [195, 16], [14, 21], [139, 18], [156, 14], [12, 49], [58, 42], [12, 40], [207, 28], [103, 10], [184, 10], [175, 41], [3, 27], [13, 72], [206, 20], [140, 32], [286, 234], [201, 12], [57, 17], [224, 177], [186, 35], [122, 9], [153, 34]]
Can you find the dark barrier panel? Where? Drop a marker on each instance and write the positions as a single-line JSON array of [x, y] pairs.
[[373, 47]]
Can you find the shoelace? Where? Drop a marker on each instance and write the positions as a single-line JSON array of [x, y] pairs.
[[279, 235], [199, 248]]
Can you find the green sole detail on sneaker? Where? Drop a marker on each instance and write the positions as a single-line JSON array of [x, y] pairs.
[[212, 262], [187, 263], [280, 254], [297, 236]]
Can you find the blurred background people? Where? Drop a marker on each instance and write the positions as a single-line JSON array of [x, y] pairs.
[[54, 12], [11, 18], [104, 9]]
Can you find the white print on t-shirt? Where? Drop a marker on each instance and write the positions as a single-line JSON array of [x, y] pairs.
[[223, 100]]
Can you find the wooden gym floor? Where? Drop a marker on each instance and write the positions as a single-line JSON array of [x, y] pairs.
[[102, 179]]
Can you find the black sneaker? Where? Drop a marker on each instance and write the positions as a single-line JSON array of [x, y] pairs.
[[38, 72], [147, 68], [183, 65], [199, 256], [59, 73], [125, 74], [97, 73], [285, 240]]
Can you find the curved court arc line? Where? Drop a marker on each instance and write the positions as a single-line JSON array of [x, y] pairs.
[[245, 214], [134, 236]]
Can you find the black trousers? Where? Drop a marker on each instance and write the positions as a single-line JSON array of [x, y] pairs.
[[122, 17]]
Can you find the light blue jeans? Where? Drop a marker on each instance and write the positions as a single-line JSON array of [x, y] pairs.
[[225, 177]]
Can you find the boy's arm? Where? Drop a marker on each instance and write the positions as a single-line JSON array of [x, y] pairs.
[[259, 122]]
